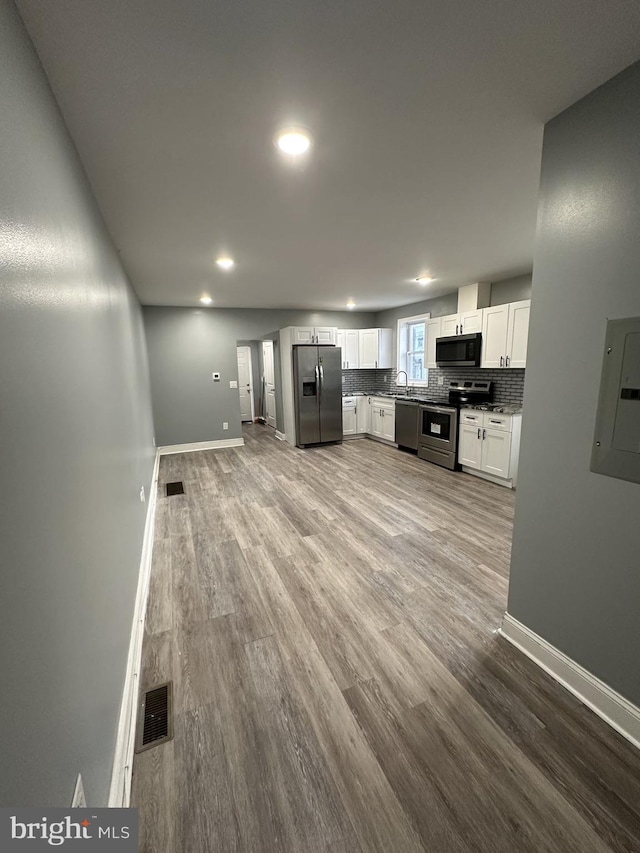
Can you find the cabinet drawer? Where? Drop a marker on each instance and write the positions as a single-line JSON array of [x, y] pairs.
[[501, 422], [349, 402], [383, 403], [472, 418]]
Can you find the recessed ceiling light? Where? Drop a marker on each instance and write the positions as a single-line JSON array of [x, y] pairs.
[[351, 304], [226, 263], [293, 141], [206, 300], [424, 279]]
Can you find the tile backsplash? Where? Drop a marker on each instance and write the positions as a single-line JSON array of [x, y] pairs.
[[508, 385]]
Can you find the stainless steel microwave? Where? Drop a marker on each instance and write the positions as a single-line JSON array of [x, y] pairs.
[[459, 350]]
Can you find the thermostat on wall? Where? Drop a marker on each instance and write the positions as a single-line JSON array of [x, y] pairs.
[[616, 443]]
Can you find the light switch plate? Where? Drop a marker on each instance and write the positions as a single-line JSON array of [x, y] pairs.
[[216, 377], [233, 383]]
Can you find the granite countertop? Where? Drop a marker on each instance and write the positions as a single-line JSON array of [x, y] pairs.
[[498, 408], [412, 398]]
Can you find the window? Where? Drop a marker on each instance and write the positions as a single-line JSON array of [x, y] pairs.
[[411, 349]]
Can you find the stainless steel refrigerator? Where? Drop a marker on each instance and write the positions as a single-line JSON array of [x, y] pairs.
[[317, 383]]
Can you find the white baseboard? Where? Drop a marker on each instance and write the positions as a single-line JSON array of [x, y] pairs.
[[499, 481], [613, 708], [120, 789], [280, 435], [200, 445]]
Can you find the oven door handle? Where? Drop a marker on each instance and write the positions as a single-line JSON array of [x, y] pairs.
[[438, 409]]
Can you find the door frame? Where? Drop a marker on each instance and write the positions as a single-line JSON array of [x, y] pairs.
[[270, 345], [250, 360]]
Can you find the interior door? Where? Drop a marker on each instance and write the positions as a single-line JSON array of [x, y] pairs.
[[245, 383], [269, 383]]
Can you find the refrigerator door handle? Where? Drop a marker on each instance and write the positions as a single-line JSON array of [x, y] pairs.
[[321, 382]]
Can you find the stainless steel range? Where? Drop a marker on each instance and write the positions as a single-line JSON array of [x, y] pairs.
[[438, 422]]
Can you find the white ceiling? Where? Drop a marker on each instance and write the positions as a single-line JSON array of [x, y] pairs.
[[427, 118]]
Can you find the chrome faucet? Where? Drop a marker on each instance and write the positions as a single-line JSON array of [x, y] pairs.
[[406, 387]]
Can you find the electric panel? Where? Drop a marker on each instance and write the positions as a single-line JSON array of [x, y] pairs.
[[616, 443]]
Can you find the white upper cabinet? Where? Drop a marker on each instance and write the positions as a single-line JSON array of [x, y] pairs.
[[375, 347], [494, 336], [314, 335], [449, 325], [351, 351], [471, 321], [518, 334], [505, 331], [461, 324], [349, 341], [432, 332]]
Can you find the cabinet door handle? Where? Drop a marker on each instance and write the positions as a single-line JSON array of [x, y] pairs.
[[478, 432], [484, 434], [460, 328], [507, 361], [501, 361], [376, 363], [456, 328]]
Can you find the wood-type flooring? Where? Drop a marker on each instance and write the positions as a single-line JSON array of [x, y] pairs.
[[328, 617]]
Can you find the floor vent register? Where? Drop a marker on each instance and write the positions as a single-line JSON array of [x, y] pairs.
[[155, 717]]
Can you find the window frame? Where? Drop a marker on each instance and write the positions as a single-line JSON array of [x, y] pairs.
[[402, 347]]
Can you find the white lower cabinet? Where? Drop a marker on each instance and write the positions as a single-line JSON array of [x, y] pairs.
[[349, 422], [363, 415], [372, 416], [496, 453], [470, 448], [489, 445], [383, 418]]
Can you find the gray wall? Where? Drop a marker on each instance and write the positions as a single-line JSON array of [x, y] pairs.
[[438, 307], [574, 577], [187, 345], [76, 429], [511, 290]]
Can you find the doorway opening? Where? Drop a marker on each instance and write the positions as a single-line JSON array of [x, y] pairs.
[[257, 381]]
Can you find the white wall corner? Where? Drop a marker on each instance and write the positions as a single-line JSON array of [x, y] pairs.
[[612, 707], [120, 788]]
